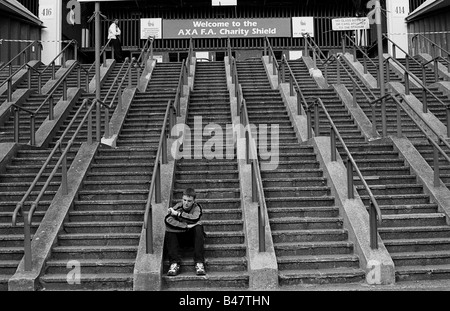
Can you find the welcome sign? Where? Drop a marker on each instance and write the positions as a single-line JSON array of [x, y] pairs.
[[224, 28]]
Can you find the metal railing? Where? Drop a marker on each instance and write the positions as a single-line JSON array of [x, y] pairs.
[[268, 51], [48, 101], [155, 184], [24, 53], [434, 46], [62, 162], [294, 88], [375, 216], [146, 53], [62, 55], [102, 54], [9, 80], [425, 90], [440, 139], [172, 111], [251, 155], [365, 57]]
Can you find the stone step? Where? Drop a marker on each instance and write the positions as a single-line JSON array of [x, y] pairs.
[[322, 276]]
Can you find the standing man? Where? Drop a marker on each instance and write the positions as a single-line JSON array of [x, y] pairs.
[[113, 34], [183, 228]]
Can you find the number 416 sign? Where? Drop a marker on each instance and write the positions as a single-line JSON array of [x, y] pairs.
[[46, 12]]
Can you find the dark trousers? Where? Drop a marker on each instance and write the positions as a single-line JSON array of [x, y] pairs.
[[117, 47], [193, 237]]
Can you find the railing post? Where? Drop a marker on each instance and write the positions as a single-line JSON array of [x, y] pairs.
[[262, 236], [53, 70], [333, 144], [16, 124], [65, 89], [129, 79], [104, 58], [158, 182], [448, 120], [149, 233], [407, 83], [351, 194], [39, 84], [29, 78], [354, 93], [291, 85], [247, 146], [98, 122], [51, 115], [79, 77], [64, 184], [436, 69], [399, 121], [373, 226], [343, 45], [365, 64], [27, 242], [164, 147], [315, 58], [254, 183], [338, 64], [374, 121], [10, 89], [437, 181], [308, 118], [107, 122], [316, 120], [299, 102], [424, 100], [33, 129], [89, 129]]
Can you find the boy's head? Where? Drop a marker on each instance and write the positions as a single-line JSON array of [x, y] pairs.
[[188, 198]]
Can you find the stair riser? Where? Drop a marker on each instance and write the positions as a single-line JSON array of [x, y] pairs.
[[300, 203], [306, 226], [203, 283], [111, 196], [103, 229], [315, 213], [418, 248], [413, 222], [318, 265], [308, 238], [426, 276], [295, 193], [88, 285], [314, 251], [320, 279], [127, 269], [212, 195], [98, 242], [93, 255]]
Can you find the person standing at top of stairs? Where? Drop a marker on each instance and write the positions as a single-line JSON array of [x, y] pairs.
[[182, 228]]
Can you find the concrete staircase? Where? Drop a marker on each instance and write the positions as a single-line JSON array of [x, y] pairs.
[[216, 182], [302, 74], [310, 241], [413, 231], [103, 229], [15, 181]]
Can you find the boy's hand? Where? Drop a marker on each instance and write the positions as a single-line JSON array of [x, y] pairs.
[[173, 212], [191, 225]]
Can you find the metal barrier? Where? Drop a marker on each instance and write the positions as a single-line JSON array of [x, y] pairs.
[[251, 155], [49, 100], [9, 80], [172, 111], [443, 52], [24, 53], [375, 216], [62, 161]]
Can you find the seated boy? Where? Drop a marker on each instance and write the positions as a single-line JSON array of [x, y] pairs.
[[183, 228]]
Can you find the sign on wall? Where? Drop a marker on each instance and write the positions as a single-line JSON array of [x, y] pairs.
[[350, 23], [223, 28], [223, 2], [151, 27], [302, 25]]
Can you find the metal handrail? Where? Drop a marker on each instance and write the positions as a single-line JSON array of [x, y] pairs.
[[64, 185], [424, 89], [18, 55], [52, 63], [293, 85], [257, 184], [433, 44], [251, 158], [365, 56], [155, 184], [10, 78], [309, 42], [102, 52], [182, 80], [148, 48], [374, 209], [395, 46]]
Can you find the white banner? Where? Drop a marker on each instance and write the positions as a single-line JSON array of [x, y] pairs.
[[151, 27], [302, 25], [350, 23]]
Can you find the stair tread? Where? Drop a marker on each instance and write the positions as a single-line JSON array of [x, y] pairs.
[[316, 258]]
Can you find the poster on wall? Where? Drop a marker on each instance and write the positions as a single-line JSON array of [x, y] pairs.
[[151, 27], [350, 23], [302, 25]]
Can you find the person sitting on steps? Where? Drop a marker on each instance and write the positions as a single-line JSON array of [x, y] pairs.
[[183, 227]]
